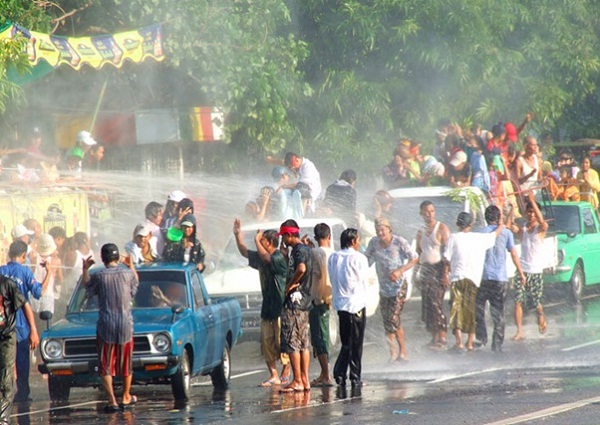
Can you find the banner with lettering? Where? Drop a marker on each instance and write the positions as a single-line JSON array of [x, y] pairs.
[[115, 49]]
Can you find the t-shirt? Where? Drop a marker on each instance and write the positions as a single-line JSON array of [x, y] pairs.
[[11, 300], [494, 267], [300, 298], [272, 282], [115, 288], [466, 253], [386, 259]]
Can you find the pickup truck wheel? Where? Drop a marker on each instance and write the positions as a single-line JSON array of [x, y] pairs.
[[577, 283], [180, 381], [220, 375], [59, 389]]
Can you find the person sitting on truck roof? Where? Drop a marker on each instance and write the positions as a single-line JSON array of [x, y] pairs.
[[142, 248], [589, 176], [568, 187]]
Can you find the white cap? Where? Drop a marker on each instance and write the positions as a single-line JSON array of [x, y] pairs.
[[46, 245], [20, 230], [176, 195], [141, 230], [86, 138]]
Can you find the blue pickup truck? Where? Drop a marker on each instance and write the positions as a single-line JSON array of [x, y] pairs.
[[180, 334]]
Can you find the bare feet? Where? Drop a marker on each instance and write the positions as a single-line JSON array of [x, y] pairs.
[[542, 324], [518, 337]]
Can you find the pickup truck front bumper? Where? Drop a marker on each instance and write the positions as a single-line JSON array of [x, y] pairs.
[[73, 367]]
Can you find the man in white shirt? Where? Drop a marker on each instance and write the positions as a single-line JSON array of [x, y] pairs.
[[465, 254], [348, 273], [309, 179]]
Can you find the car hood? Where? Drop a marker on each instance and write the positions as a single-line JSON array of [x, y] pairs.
[[76, 325], [232, 281]]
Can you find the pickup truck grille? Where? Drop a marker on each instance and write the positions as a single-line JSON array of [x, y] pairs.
[[88, 347]]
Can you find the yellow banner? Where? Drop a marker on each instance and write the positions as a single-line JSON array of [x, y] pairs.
[[96, 52]]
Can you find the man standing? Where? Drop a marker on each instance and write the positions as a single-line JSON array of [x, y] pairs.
[[26, 331], [530, 290], [431, 242], [272, 270], [528, 167], [154, 217], [295, 339], [348, 272], [494, 281], [465, 254], [12, 301], [115, 287], [321, 296]]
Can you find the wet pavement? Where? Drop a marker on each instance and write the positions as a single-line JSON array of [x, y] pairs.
[[549, 378]]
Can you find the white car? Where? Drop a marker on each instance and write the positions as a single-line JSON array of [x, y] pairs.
[[233, 277]]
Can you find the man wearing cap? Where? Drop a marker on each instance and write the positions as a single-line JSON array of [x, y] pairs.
[[115, 286], [22, 233], [142, 248], [295, 338], [170, 211], [393, 256], [26, 333], [465, 255], [272, 269], [459, 170]]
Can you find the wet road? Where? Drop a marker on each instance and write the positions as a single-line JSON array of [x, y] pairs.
[[549, 378]]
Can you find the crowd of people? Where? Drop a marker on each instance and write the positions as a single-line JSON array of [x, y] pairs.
[[302, 282]]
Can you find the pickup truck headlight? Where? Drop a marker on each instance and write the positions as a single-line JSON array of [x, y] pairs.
[[162, 343], [53, 349], [561, 256]]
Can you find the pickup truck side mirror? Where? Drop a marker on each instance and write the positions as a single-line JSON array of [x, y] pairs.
[[46, 316]]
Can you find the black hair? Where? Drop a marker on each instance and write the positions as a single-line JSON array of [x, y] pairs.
[[529, 206], [271, 236], [109, 253], [16, 249], [492, 214], [152, 209], [184, 204], [322, 231], [349, 176], [425, 204], [57, 232], [464, 220], [291, 223], [289, 157], [348, 237]]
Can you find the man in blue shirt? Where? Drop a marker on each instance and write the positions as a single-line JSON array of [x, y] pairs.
[[494, 282], [23, 277]]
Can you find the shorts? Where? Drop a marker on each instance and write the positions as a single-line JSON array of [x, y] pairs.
[[115, 359], [270, 339], [319, 329], [391, 311], [529, 295], [294, 331]]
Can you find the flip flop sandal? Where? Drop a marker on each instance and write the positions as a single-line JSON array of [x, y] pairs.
[[109, 408], [131, 403], [268, 383]]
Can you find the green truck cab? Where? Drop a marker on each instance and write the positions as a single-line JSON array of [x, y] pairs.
[[577, 229]]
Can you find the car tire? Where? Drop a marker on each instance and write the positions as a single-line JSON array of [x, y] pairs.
[[58, 389], [577, 283], [334, 325], [180, 381], [221, 374]]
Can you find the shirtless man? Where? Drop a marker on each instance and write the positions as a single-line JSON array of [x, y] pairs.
[[528, 168], [431, 241]]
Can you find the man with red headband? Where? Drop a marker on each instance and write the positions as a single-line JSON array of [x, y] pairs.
[[295, 337]]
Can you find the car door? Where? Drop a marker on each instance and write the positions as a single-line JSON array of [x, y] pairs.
[[206, 337], [590, 245]]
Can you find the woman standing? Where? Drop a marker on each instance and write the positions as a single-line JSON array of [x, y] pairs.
[[393, 256]]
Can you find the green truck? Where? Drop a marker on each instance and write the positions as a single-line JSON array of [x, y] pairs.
[[577, 229]]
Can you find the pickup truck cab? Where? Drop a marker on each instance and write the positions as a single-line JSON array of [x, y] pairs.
[[188, 336], [577, 229]]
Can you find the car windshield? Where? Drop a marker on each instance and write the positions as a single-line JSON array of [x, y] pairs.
[[153, 283], [446, 211], [563, 219]]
